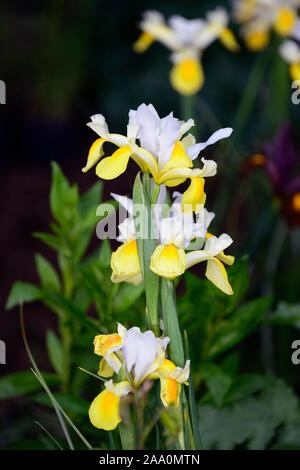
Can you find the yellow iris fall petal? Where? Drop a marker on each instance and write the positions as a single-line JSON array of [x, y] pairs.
[[257, 40], [95, 153], [228, 39], [285, 21], [105, 343], [125, 261], [104, 369], [168, 261], [187, 77], [216, 273], [169, 392], [194, 197], [295, 71], [143, 42], [104, 411], [113, 166]]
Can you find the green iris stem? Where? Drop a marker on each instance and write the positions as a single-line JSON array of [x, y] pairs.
[[155, 193], [146, 245], [187, 107]]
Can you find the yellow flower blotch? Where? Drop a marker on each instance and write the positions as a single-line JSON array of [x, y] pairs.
[[187, 77]]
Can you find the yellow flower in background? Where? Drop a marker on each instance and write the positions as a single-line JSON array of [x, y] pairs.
[[142, 356], [186, 39], [159, 146], [290, 52], [260, 17]]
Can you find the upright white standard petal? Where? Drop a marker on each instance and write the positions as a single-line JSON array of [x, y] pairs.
[[216, 245], [194, 150], [157, 135], [169, 130], [295, 34], [124, 201], [148, 122], [185, 126], [139, 351], [290, 51], [213, 247], [154, 24], [186, 30], [217, 20], [99, 125], [121, 330]]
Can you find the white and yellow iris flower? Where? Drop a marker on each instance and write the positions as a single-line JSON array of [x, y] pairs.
[[186, 39], [163, 150], [174, 253], [290, 52], [260, 17], [143, 357]]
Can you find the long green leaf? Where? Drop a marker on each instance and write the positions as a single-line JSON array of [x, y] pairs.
[[192, 403], [22, 383], [146, 245], [171, 326]]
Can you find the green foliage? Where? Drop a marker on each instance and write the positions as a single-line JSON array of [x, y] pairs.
[[146, 246], [47, 274], [22, 291], [216, 319], [77, 285], [22, 383], [285, 314], [55, 352], [70, 403], [253, 422]]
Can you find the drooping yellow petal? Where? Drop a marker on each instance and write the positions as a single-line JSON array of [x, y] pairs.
[[228, 39], [144, 159], [125, 260], [295, 71], [193, 199], [174, 176], [143, 42], [285, 21], [95, 153], [103, 344], [168, 261], [227, 259], [178, 159], [135, 280], [257, 40], [104, 369], [187, 77], [216, 273], [104, 411], [169, 391], [113, 166]]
